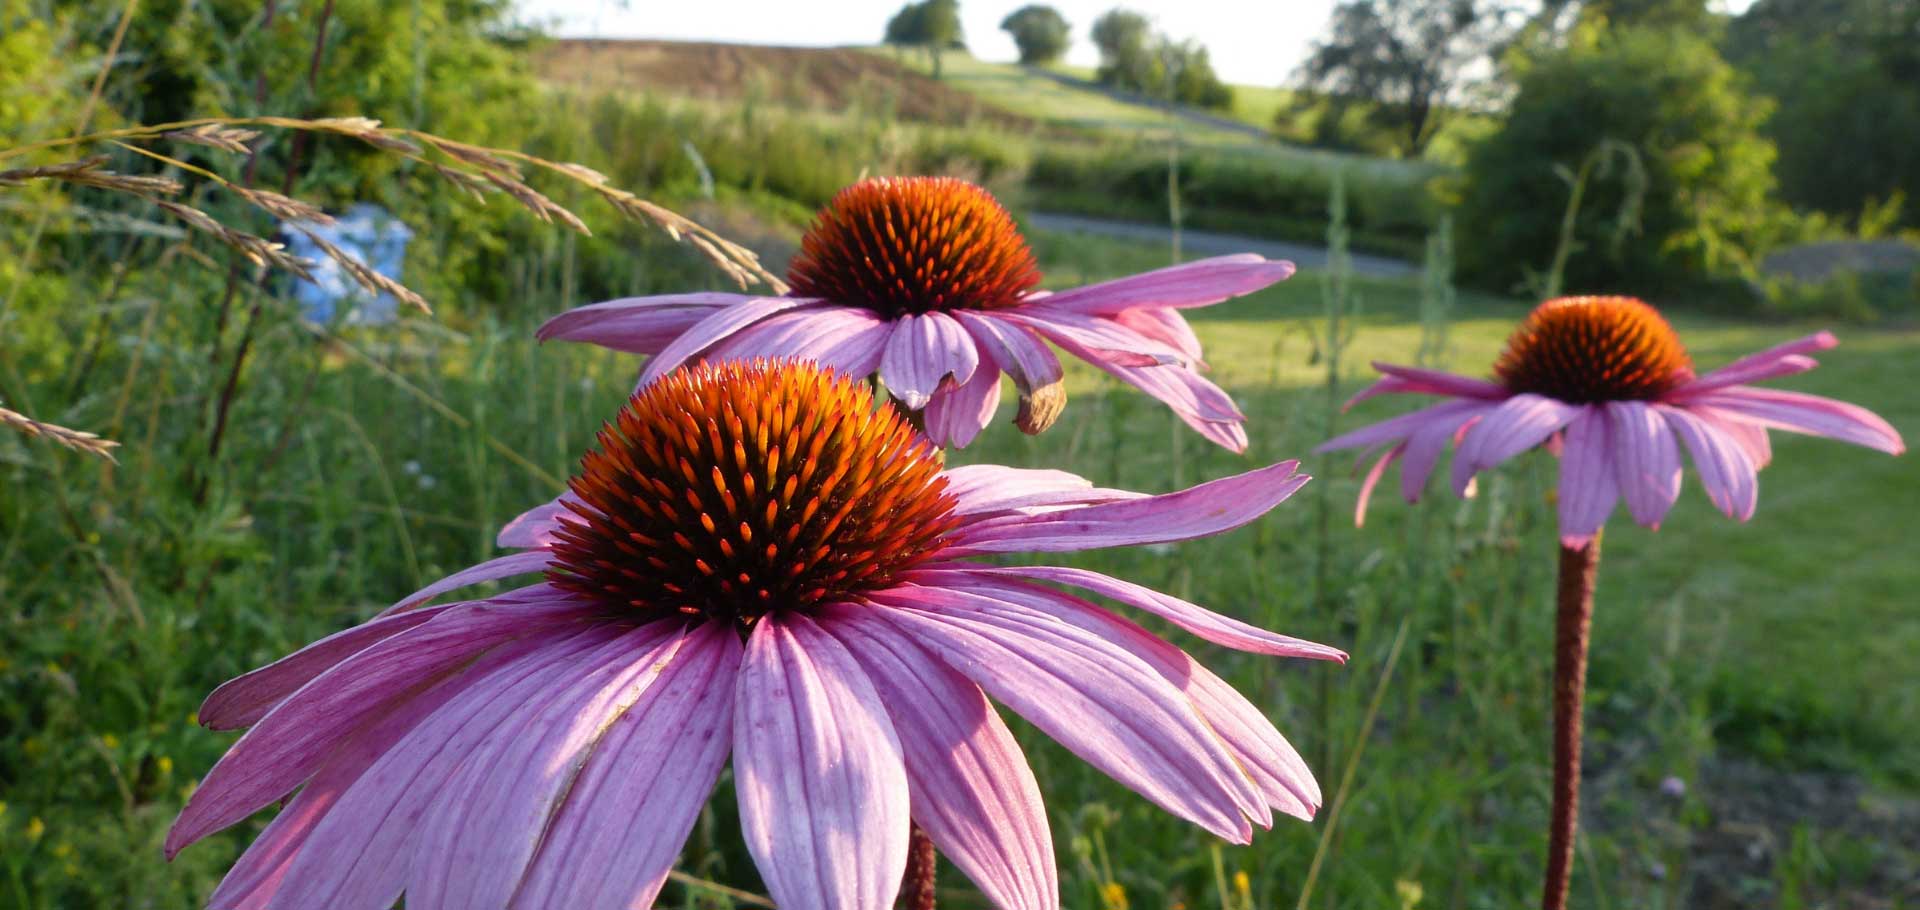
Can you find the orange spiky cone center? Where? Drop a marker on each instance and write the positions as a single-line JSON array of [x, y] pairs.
[[734, 490], [908, 245], [1593, 349]]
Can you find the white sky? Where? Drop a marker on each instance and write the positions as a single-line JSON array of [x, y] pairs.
[[1253, 42], [1256, 42]]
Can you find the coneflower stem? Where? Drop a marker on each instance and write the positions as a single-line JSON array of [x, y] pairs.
[[916, 890], [1578, 568]]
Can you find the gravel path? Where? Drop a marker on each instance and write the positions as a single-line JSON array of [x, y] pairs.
[[1209, 243]]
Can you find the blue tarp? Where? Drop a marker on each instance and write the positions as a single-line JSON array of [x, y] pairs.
[[367, 233]]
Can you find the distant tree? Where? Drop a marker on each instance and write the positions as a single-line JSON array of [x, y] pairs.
[[1189, 70], [1125, 40], [1405, 57], [1846, 77], [1039, 31], [1136, 58], [930, 24]]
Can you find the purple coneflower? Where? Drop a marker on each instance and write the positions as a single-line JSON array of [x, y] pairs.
[[927, 282], [1605, 383], [756, 564]]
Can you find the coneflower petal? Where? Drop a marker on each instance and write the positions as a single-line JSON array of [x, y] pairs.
[[256, 876], [492, 570], [1104, 704], [477, 839], [1105, 339], [925, 350], [1646, 460], [1210, 508], [638, 325], [1429, 439], [1015, 349], [1809, 414], [1516, 425], [1215, 627], [847, 340], [716, 328], [1203, 282], [243, 700], [973, 791], [818, 770], [657, 763], [293, 739], [1258, 749], [1726, 473], [982, 489], [1758, 365], [358, 856], [958, 414], [1588, 490]]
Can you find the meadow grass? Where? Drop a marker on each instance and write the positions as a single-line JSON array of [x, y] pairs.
[[367, 462]]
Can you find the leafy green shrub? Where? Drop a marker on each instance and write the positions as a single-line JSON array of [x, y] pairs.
[[1849, 296], [1704, 202]]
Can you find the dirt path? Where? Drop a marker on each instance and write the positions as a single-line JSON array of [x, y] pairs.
[[1209, 243]]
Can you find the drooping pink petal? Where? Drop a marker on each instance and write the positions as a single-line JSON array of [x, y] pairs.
[[1104, 704], [1751, 437], [1205, 407], [983, 489], [972, 790], [1102, 339], [1646, 460], [1258, 749], [657, 762], [477, 839], [1193, 284], [1516, 425], [257, 874], [717, 327], [492, 570], [1166, 326], [1210, 508], [1395, 429], [818, 770], [294, 738], [1015, 349], [1810, 414], [639, 325], [1425, 443], [1726, 472], [923, 351], [1214, 627], [534, 527], [246, 698], [1371, 480], [1779, 360], [357, 857], [849, 340], [1415, 380], [1587, 486], [957, 414]]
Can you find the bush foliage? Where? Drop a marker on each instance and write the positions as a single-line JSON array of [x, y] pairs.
[[1681, 108]]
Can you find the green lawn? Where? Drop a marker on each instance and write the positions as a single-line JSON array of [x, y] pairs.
[[357, 473]]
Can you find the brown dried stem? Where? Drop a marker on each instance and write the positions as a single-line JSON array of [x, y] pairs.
[[77, 440]]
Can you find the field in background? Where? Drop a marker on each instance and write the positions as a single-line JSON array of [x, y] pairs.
[[1724, 652]]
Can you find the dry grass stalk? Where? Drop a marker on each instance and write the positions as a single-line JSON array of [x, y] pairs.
[[213, 135], [77, 440], [258, 250], [367, 278], [474, 169], [87, 172]]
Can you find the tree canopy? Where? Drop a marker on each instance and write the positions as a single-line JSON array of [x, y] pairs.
[[1136, 58], [1405, 57], [1041, 33]]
